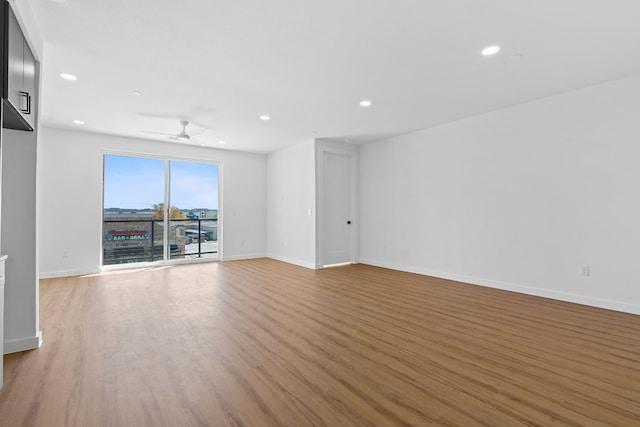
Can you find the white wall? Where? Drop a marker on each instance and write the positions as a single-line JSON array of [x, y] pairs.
[[290, 196], [19, 241], [516, 199], [70, 180]]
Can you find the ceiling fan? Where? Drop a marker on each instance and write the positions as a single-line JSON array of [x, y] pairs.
[[182, 136]]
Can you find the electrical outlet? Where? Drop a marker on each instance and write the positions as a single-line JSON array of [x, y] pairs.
[[65, 253], [585, 271]]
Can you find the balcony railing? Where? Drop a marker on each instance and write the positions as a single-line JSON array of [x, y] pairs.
[[142, 240]]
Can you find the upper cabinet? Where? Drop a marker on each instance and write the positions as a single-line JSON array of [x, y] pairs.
[[19, 76]]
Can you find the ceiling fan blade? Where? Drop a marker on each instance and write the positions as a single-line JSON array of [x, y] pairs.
[[197, 141], [196, 132], [158, 133]]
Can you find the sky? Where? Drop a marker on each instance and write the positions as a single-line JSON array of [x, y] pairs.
[[135, 182]]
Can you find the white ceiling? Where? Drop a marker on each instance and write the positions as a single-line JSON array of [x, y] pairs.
[[307, 64]]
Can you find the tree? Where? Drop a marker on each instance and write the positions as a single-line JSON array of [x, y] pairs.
[[174, 212]]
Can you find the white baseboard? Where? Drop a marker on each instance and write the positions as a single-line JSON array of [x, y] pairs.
[[23, 344], [241, 257], [71, 273], [305, 264], [528, 290], [68, 273]]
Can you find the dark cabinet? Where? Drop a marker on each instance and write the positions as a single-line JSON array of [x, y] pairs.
[[19, 76]]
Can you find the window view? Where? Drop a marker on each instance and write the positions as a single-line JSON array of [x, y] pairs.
[[138, 210], [194, 210]]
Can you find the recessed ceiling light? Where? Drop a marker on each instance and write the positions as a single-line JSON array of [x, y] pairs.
[[78, 122], [59, 1], [221, 142], [265, 117], [491, 50], [365, 103], [68, 76], [137, 92]]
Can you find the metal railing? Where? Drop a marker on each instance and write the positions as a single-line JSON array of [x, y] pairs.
[[142, 240]]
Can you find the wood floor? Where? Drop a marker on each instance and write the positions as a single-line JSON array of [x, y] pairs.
[[263, 343]]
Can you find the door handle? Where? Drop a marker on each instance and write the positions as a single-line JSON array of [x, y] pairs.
[[25, 102]]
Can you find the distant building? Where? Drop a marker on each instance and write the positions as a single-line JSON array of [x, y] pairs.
[[201, 213], [136, 237]]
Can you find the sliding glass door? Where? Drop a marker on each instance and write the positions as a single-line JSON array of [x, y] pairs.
[[158, 210]]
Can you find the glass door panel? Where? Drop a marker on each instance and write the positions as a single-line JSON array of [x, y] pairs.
[[133, 186], [194, 210]]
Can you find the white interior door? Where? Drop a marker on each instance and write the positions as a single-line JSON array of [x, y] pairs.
[[337, 221]]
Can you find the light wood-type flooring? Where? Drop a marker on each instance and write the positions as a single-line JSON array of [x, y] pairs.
[[263, 343]]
